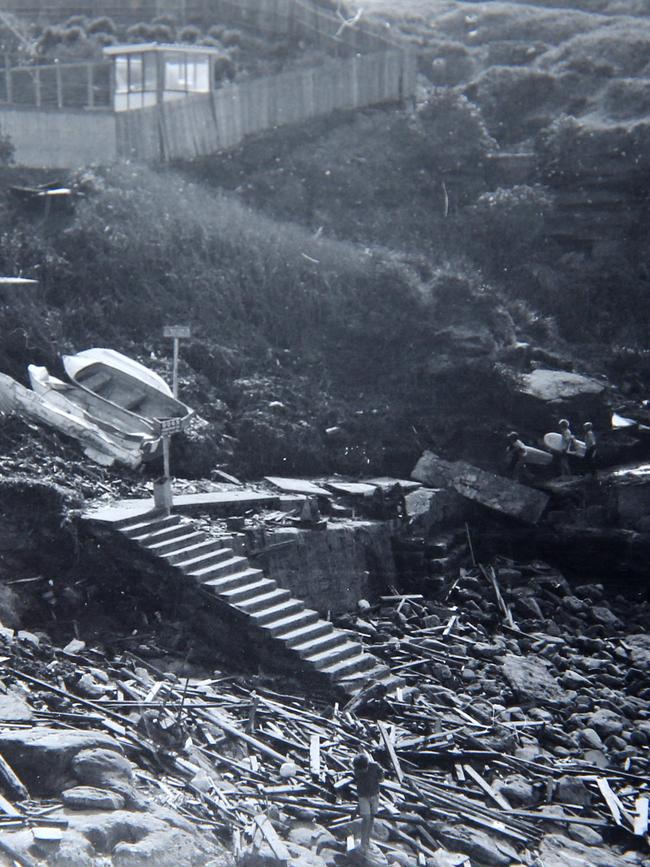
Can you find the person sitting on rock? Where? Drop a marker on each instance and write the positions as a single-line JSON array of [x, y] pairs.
[[516, 455], [590, 448], [567, 446], [367, 776]]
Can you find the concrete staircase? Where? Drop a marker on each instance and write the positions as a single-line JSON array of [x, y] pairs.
[[272, 612]]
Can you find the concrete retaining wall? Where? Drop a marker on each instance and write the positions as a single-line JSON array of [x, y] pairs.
[[329, 569], [59, 139]]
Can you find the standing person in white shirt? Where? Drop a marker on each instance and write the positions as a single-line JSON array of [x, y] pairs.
[[567, 445]]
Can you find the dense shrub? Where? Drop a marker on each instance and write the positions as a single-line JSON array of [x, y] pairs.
[[483, 23], [140, 32], [571, 150], [102, 25], [216, 31], [76, 21], [621, 48], [453, 133], [224, 68], [165, 21], [73, 35], [627, 98], [49, 39], [231, 37], [446, 62], [162, 33], [515, 101], [507, 228], [189, 34]]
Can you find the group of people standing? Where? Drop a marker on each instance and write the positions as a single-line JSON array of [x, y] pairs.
[[518, 452]]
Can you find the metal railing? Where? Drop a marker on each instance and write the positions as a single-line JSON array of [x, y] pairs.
[[57, 86]]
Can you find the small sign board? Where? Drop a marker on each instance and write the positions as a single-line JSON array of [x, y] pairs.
[[177, 331], [170, 426]]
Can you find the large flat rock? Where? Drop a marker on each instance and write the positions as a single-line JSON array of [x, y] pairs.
[[494, 492], [557, 386], [43, 757], [532, 682]]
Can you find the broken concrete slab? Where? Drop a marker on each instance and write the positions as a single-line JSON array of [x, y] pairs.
[[430, 507], [386, 483], [352, 489], [297, 486], [495, 492], [13, 707]]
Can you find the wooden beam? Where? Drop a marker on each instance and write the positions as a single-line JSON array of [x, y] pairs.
[[269, 833], [314, 755], [59, 86], [641, 818], [391, 751], [487, 788]]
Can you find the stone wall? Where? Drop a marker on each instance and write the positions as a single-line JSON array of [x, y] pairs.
[[330, 569]]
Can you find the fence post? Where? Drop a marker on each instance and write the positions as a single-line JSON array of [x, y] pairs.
[[90, 81], [37, 86], [8, 80], [59, 87]]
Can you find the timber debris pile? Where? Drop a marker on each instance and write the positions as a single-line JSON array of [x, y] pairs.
[[518, 734]]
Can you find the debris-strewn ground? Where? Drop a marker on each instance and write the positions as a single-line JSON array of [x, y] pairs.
[[519, 736]]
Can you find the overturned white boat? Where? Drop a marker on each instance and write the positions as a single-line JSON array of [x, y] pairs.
[[126, 387], [115, 407]]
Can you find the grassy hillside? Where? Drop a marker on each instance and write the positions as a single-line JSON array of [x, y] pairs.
[[384, 273]]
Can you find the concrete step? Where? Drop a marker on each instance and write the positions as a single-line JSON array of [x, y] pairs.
[[225, 567], [322, 641], [248, 591], [332, 655], [277, 612], [307, 633], [135, 526], [237, 579], [187, 552], [360, 662], [263, 601], [161, 549], [210, 558], [166, 534], [276, 628]]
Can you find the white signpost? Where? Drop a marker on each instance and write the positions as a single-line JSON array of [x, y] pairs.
[[177, 333], [170, 426]]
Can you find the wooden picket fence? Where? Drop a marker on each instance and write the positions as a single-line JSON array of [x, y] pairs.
[[200, 125]]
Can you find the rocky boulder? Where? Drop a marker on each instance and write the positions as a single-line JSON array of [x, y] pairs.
[[43, 757]]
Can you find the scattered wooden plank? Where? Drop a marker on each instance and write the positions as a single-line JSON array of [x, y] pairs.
[[641, 818], [12, 781], [487, 788], [610, 799], [218, 720], [8, 808], [16, 857], [314, 755], [450, 625], [391, 751], [280, 851]]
